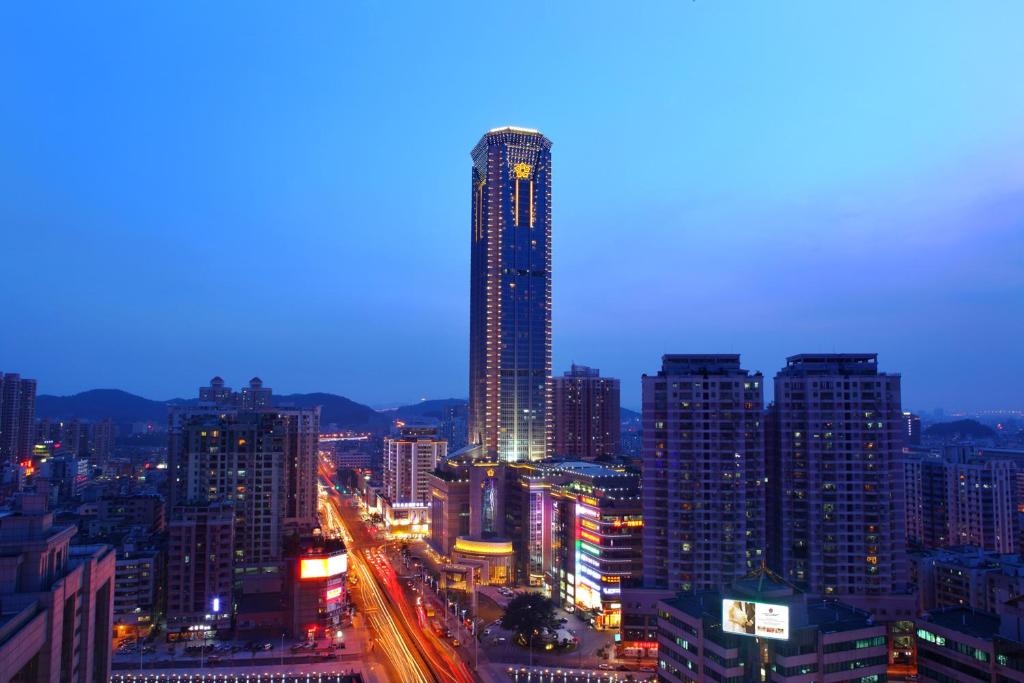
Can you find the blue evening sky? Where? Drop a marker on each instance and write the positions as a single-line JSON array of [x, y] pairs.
[[282, 189]]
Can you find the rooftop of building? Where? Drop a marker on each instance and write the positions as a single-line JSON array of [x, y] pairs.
[[514, 129], [826, 616], [511, 133], [972, 622], [591, 469], [831, 616], [832, 364], [322, 545], [701, 364], [582, 371]]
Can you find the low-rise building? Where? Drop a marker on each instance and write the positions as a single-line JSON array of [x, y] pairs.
[[762, 624], [136, 585], [957, 644]]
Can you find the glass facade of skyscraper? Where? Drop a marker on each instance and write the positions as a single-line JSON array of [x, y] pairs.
[[510, 304]]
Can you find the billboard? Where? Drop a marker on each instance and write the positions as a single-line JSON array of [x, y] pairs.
[[755, 619], [323, 567]]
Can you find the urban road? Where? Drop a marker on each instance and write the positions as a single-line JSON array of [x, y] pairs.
[[410, 652]]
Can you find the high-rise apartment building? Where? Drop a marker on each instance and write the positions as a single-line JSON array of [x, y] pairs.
[[409, 457], [703, 472], [983, 510], [927, 493], [255, 464], [17, 417], [840, 431], [912, 428], [510, 296], [253, 397], [586, 414], [200, 566], [962, 496], [263, 463]]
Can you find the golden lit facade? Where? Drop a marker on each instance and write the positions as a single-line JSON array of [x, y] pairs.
[[510, 302]]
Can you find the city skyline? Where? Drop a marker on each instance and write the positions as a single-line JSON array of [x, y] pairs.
[[908, 158], [479, 471]]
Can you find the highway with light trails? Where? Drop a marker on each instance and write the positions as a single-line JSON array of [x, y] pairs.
[[413, 653]]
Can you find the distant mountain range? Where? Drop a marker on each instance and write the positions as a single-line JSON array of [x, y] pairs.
[[125, 408]]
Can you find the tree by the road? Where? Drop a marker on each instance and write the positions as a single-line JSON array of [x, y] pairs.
[[529, 614]]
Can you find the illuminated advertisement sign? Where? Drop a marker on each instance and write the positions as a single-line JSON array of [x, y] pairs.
[[755, 619], [332, 594], [322, 567]]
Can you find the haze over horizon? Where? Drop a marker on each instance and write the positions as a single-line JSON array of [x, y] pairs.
[[285, 192]]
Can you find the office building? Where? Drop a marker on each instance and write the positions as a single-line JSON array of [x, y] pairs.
[[586, 415], [779, 635], [17, 417], [840, 433], [703, 472], [56, 599], [510, 296]]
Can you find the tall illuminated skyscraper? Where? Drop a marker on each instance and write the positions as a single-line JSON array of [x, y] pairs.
[[510, 296]]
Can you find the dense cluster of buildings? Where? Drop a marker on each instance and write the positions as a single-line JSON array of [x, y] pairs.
[[815, 502], [806, 534]]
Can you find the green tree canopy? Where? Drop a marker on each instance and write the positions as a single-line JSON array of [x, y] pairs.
[[529, 613]]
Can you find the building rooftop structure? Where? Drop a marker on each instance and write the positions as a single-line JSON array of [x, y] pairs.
[[832, 364], [973, 622]]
